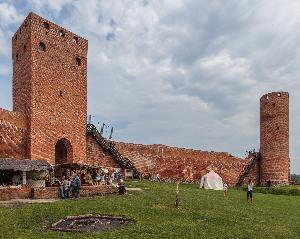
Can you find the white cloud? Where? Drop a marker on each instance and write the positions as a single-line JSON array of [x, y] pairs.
[[53, 6], [9, 15]]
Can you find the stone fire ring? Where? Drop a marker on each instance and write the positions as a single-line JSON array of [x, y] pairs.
[[90, 223]]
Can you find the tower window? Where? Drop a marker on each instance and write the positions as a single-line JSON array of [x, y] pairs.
[[274, 104], [62, 33], [17, 57], [277, 128], [46, 25], [78, 61], [75, 39], [60, 93], [24, 48], [42, 46]]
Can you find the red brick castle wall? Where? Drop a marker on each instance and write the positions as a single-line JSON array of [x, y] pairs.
[[12, 135], [50, 106], [174, 163], [274, 138], [50, 86], [96, 156]]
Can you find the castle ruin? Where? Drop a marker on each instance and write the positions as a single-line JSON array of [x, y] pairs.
[[48, 121]]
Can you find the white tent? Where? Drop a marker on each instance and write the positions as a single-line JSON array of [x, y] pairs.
[[211, 180]]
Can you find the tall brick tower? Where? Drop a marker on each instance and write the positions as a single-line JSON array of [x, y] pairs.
[[50, 88], [274, 138]]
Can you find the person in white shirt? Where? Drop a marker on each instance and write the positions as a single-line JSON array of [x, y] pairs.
[[225, 189], [250, 191], [67, 187]]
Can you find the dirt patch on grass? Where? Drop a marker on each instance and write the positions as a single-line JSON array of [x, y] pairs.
[[90, 223]]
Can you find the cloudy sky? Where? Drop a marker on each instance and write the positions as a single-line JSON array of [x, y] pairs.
[[186, 73]]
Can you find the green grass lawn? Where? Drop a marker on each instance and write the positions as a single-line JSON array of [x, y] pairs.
[[202, 214]]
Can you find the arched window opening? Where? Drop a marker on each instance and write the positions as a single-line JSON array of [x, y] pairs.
[[42, 47], [63, 151]]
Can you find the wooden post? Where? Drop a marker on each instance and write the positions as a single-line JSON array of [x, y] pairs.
[[177, 196], [24, 178]]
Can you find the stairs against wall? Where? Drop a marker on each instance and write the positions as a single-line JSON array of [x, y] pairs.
[[128, 159], [144, 165], [254, 160]]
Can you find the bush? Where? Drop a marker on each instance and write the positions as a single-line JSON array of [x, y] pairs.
[[280, 190]]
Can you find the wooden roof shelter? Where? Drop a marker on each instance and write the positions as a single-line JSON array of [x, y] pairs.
[[24, 165]]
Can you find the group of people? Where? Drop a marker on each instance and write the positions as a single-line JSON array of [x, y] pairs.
[[249, 190], [66, 184], [69, 186], [106, 178]]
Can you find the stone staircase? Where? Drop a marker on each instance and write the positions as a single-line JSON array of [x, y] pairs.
[[144, 165], [248, 167], [109, 146], [128, 159]]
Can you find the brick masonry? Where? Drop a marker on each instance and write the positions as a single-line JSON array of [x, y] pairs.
[[15, 193], [97, 156], [52, 192], [274, 138], [12, 135], [50, 87], [50, 109], [174, 163]]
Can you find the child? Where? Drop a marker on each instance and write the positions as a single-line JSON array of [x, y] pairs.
[[121, 186], [225, 189], [98, 179], [250, 191]]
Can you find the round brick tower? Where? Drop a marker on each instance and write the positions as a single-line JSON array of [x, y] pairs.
[[274, 139]]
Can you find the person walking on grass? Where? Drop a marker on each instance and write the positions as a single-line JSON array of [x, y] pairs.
[[250, 191], [225, 189]]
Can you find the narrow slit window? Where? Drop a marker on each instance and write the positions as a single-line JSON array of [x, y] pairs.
[[78, 61], [75, 39], [42, 47], [46, 25], [62, 33]]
